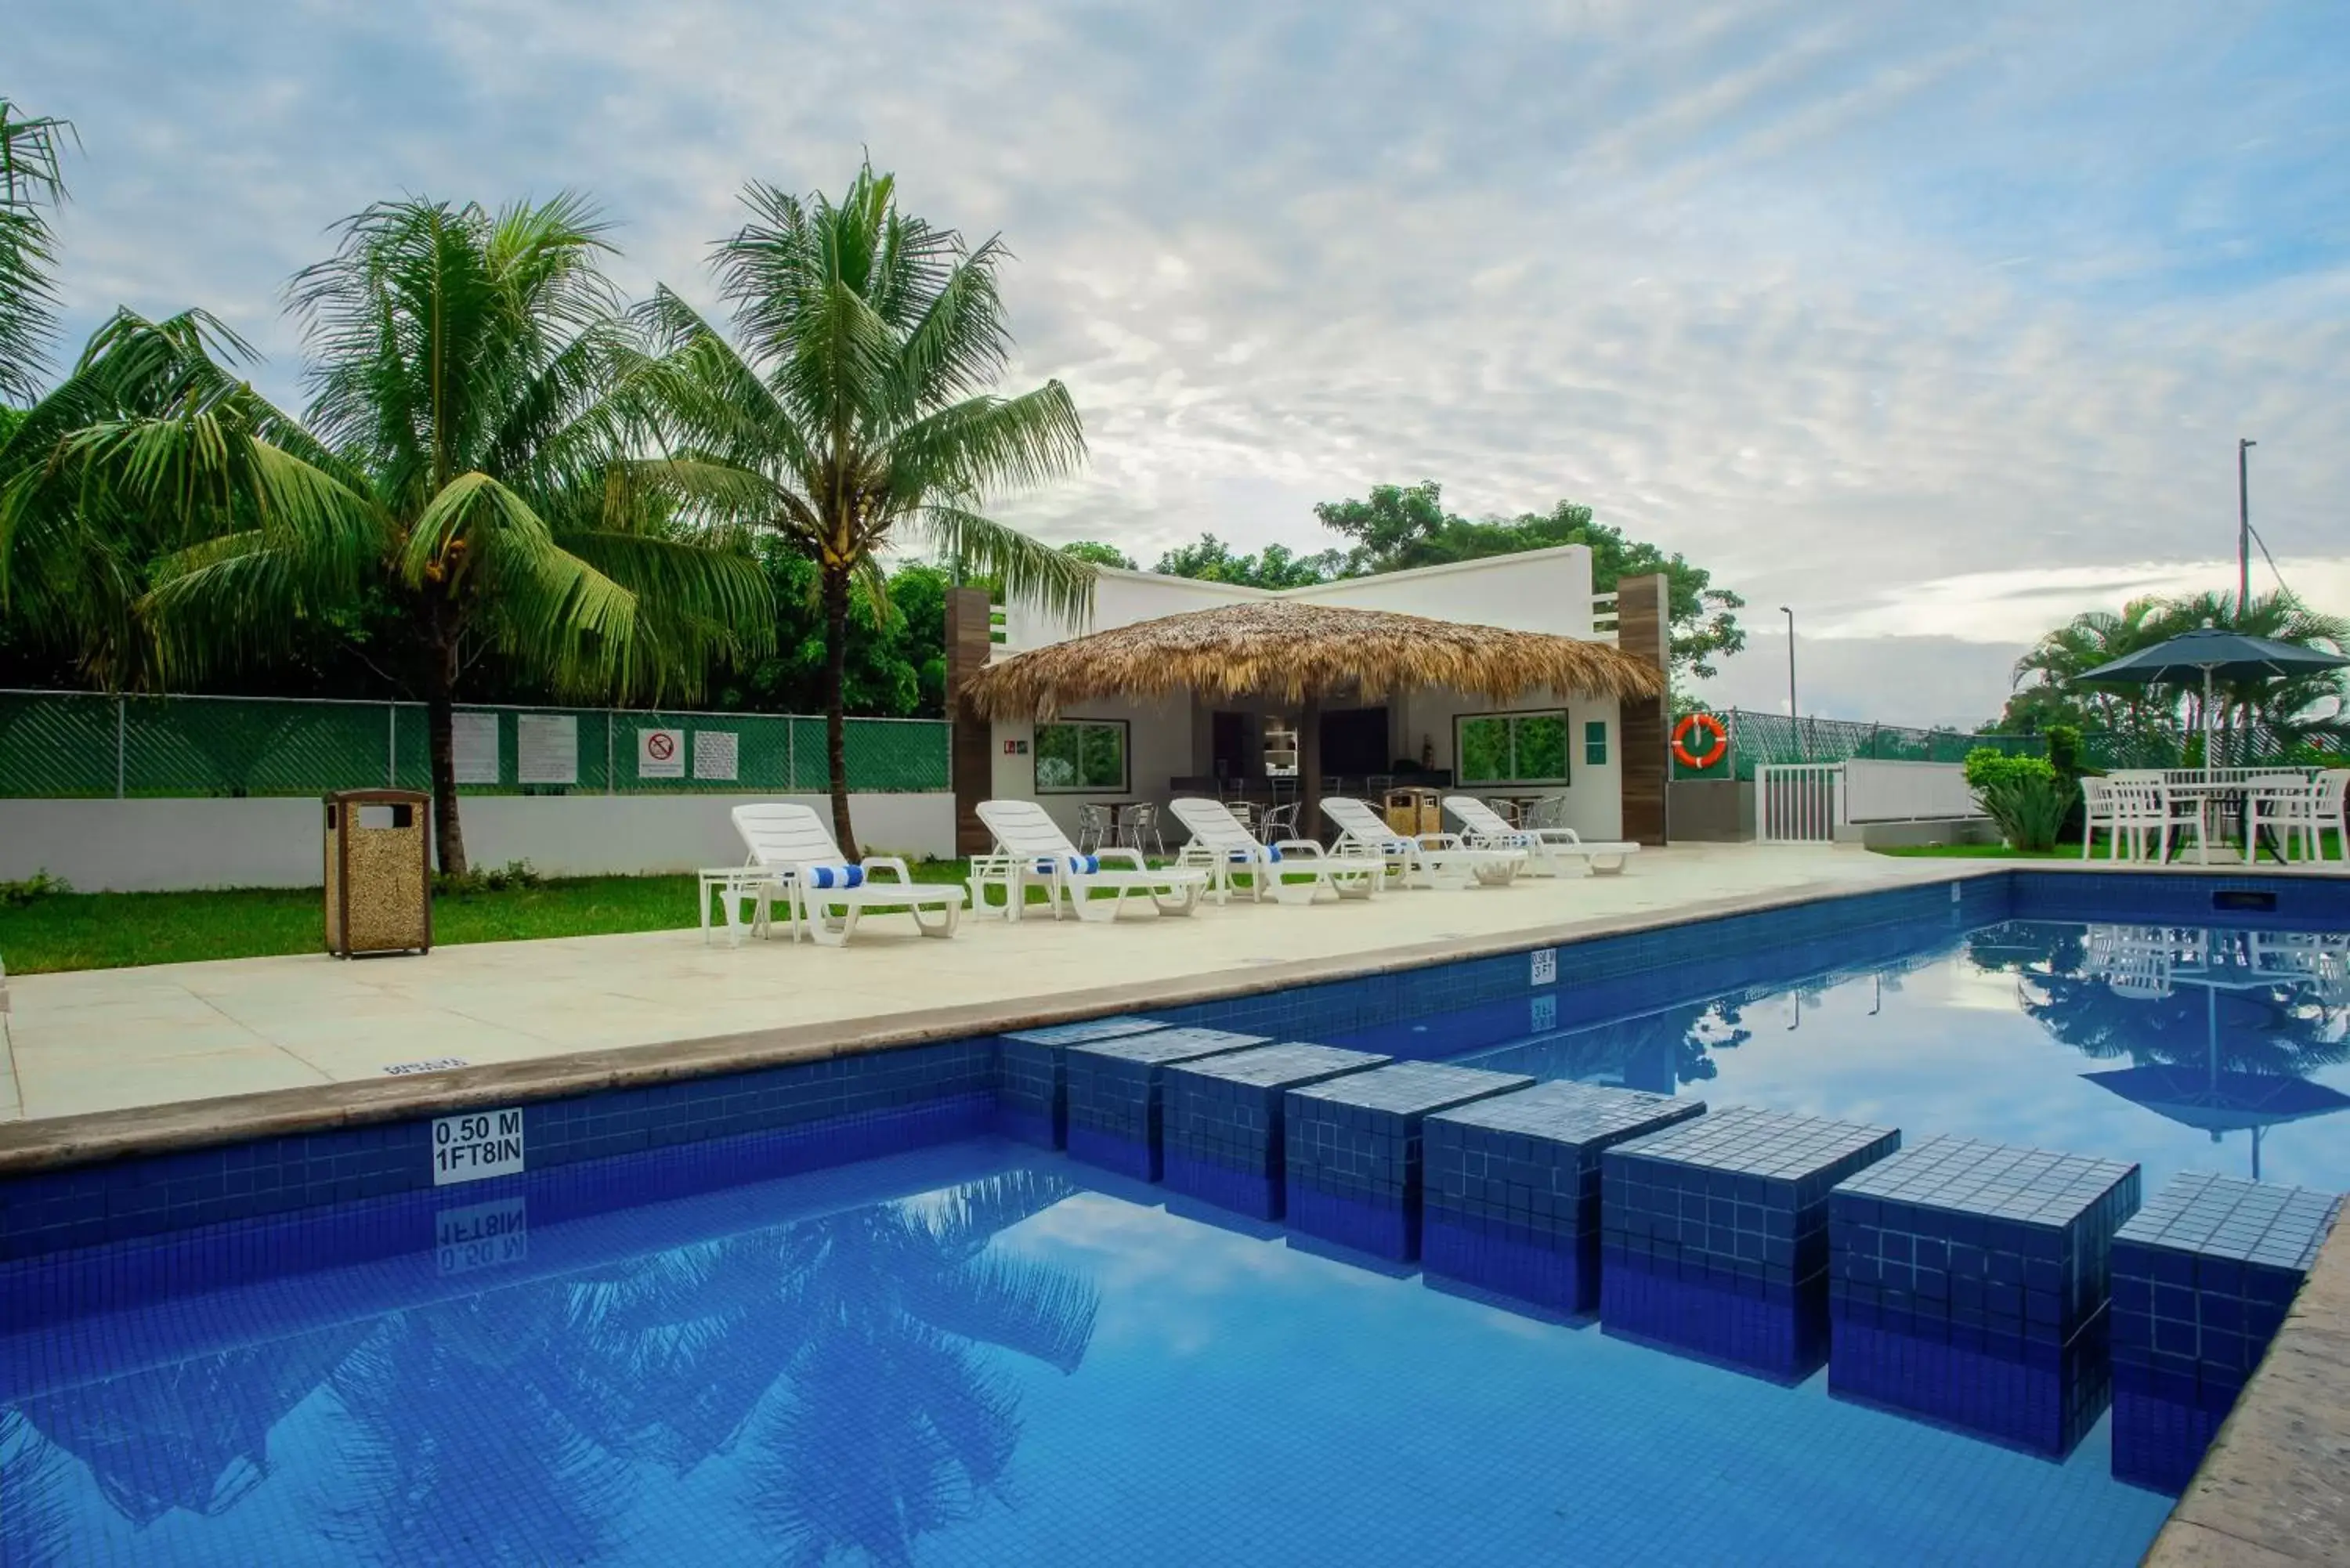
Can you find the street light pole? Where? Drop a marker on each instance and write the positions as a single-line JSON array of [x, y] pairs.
[[2243, 527], [1794, 717]]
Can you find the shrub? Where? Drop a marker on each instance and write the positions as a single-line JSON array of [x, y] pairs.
[[492, 879], [2064, 750], [1987, 765], [2030, 808], [40, 885]]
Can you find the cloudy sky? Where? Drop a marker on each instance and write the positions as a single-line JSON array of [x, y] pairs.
[[1935, 322]]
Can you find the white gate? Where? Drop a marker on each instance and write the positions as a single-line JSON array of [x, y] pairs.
[[1798, 803]]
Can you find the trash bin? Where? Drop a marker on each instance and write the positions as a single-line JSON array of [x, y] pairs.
[[379, 872], [1412, 812]]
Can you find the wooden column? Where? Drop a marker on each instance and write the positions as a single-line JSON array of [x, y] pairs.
[[973, 751], [1309, 767], [1644, 631]]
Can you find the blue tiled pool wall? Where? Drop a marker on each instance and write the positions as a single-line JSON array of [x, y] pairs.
[[1509, 1194], [1224, 1136], [1725, 1252], [2293, 903], [843, 1108], [1970, 1287], [2202, 1280], [1353, 1154]]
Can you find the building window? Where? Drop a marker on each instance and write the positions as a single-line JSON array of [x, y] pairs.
[[1595, 743], [1082, 754], [1510, 748]]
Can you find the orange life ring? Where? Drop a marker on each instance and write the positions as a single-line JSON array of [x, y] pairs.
[[1699, 721]]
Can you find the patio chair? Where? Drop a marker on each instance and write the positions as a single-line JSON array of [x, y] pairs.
[[2097, 811], [1137, 825], [1095, 828], [2330, 813], [1223, 848], [2287, 805], [827, 891], [1547, 848], [1031, 847], [2152, 814], [1428, 859]]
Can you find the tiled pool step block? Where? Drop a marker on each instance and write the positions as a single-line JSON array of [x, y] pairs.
[[1714, 1234], [1222, 1117], [1114, 1089], [1969, 1285], [2202, 1277], [1510, 1187], [1352, 1150], [1032, 1101]]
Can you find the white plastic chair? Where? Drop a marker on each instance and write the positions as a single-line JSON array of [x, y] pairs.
[[2329, 812], [1223, 848], [2288, 803], [829, 893], [1546, 849], [1031, 847], [2097, 811], [1427, 859]]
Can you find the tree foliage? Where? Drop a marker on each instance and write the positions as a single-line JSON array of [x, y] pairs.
[[850, 408], [32, 183], [1398, 528], [1100, 554], [2303, 708]]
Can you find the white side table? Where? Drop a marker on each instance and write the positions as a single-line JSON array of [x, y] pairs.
[[733, 884]]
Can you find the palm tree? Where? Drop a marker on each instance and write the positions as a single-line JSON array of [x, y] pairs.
[[31, 185], [2087, 640], [849, 409], [467, 460]]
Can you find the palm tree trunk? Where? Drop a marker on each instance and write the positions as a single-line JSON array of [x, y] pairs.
[[440, 728], [836, 724]]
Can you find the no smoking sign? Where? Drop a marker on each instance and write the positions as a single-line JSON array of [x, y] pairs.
[[660, 753]]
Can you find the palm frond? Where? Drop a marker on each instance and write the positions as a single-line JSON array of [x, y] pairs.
[[32, 184], [1033, 572]]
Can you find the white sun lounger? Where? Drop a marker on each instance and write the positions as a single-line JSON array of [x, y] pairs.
[[1031, 847], [1547, 848], [827, 892], [1428, 859], [1221, 848]]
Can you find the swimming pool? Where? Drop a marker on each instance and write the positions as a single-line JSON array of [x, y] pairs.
[[971, 1351]]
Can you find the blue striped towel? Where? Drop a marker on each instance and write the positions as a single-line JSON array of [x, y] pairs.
[[834, 876], [1242, 857], [1075, 864]]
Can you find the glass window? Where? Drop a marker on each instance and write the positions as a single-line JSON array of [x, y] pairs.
[[1595, 743], [1511, 748], [1082, 754]]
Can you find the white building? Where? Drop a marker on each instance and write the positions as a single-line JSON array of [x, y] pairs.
[[1541, 744]]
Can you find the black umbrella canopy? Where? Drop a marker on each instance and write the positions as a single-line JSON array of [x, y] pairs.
[[2212, 654]]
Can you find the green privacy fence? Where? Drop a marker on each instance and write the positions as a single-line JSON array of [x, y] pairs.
[[73, 743]]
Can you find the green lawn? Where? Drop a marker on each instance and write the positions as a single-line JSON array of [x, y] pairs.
[[109, 930]]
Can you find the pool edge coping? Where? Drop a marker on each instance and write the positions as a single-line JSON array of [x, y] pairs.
[[92, 1137]]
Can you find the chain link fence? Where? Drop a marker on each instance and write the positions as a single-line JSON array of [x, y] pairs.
[[57, 743], [1770, 738]]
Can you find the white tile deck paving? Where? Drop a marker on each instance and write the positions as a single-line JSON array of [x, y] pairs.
[[115, 1039]]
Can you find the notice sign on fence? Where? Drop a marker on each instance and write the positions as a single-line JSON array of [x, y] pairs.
[[660, 753], [478, 1145], [473, 743], [717, 754], [546, 748]]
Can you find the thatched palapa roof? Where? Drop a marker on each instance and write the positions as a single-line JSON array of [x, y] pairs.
[[1288, 651]]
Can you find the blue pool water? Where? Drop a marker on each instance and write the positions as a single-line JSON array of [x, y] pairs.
[[976, 1353]]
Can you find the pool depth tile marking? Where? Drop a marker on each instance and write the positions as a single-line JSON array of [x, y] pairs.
[[2202, 1277], [1114, 1089], [1222, 1120], [1510, 1187], [1714, 1234], [1352, 1159], [1032, 1101], [1969, 1285]]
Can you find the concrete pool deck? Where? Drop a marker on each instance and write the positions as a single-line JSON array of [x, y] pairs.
[[254, 1040]]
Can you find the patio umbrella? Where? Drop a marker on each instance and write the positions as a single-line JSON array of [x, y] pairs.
[[1299, 653], [2212, 654]]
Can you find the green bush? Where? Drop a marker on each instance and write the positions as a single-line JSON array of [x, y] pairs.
[[491, 879], [2064, 750], [2030, 808], [1987, 765], [40, 885]]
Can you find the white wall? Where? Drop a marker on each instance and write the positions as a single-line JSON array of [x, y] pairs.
[[144, 845], [1159, 739], [1594, 795]]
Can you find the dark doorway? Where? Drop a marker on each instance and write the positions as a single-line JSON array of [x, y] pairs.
[[1229, 746], [1355, 742]]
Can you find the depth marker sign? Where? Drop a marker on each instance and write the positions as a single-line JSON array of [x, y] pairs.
[[470, 1148]]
